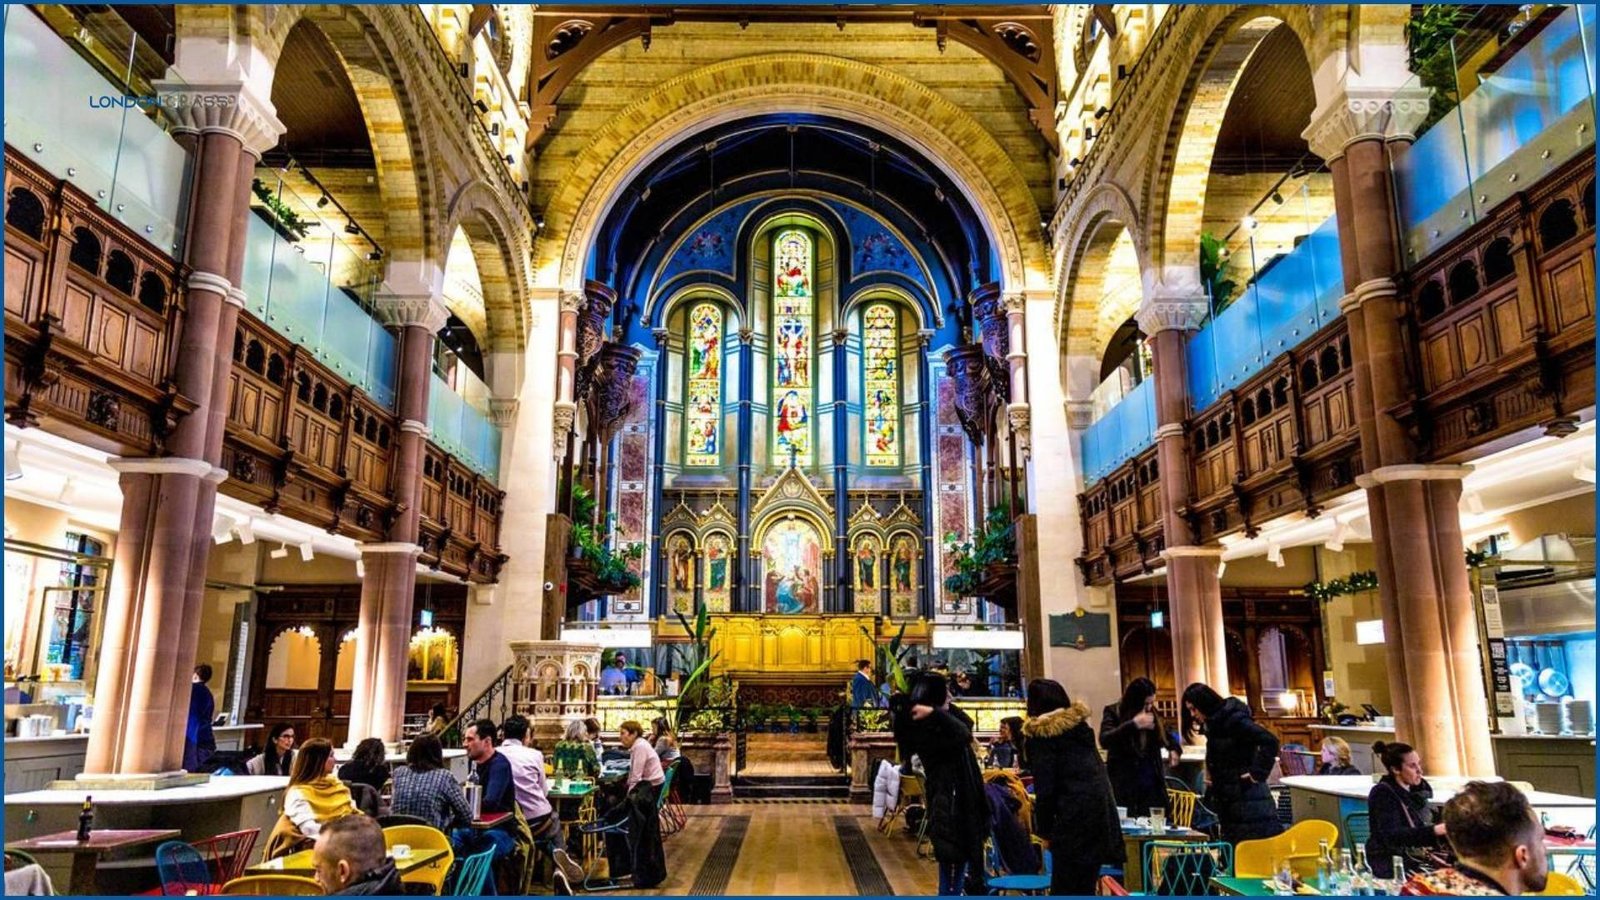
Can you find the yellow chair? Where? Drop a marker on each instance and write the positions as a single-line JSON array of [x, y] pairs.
[[1560, 885], [1180, 808], [273, 886], [423, 837], [1299, 845]]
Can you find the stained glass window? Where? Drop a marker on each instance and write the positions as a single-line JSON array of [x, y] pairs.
[[703, 387], [880, 384], [792, 348]]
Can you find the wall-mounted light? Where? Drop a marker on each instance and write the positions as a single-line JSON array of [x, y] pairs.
[[307, 552], [1222, 566], [482, 106], [1101, 113], [361, 569], [425, 618], [1341, 530], [1075, 162], [1369, 631], [247, 531], [350, 226]]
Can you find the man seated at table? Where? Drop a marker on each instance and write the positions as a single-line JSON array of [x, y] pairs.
[[1499, 845], [350, 859], [492, 770], [532, 794]]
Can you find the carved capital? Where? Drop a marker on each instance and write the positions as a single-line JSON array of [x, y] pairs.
[[1080, 414], [208, 281], [1366, 113], [227, 107], [1020, 418], [571, 301], [502, 412], [404, 310], [661, 335], [565, 416], [1366, 291], [1015, 304], [1171, 313], [925, 336]]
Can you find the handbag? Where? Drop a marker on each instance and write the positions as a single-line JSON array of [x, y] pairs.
[[1425, 858]]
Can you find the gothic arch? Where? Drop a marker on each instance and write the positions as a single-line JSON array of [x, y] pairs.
[[1104, 206], [659, 309], [737, 88], [500, 249]]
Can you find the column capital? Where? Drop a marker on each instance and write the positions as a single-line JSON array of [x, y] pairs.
[[925, 336], [571, 301], [661, 335], [1080, 414], [1412, 472], [1357, 113], [402, 310], [565, 416], [1015, 304], [226, 107], [1171, 429], [208, 281], [1020, 417], [412, 426], [503, 411], [164, 465], [1171, 312]]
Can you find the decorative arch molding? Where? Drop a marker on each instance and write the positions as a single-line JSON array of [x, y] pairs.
[[899, 295], [734, 89], [1108, 202], [500, 248], [1209, 37], [660, 310], [792, 496]]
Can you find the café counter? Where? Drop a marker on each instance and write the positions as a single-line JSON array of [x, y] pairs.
[[34, 762]]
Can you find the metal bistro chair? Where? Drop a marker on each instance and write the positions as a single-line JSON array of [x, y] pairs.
[[619, 828], [1357, 828], [1180, 807], [473, 875], [423, 837], [672, 821], [1001, 881], [1183, 869], [229, 854], [274, 886], [183, 870]]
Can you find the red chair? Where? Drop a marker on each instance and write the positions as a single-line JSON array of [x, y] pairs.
[[1110, 887], [229, 854]]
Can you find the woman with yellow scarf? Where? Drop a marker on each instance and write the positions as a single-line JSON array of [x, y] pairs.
[[314, 797]]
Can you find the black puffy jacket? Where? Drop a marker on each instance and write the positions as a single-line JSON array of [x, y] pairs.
[[1074, 807], [1237, 745]]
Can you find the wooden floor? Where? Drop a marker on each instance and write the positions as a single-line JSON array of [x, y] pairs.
[[793, 849]]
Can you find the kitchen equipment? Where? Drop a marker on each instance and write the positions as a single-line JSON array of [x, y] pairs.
[[1578, 715], [1547, 717], [1553, 682]]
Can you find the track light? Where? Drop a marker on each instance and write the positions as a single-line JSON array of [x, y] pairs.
[[247, 531], [1275, 555], [1249, 223], [1277, 198], [482, 106], [1101, 113], [307, 552], [361, 569], [375, 255], [510, 160], [281, 553], [1222, 566], [1088, 134], [494, 128], [1075, 162], [13, 460], [322, 201], [538, 221], [350, 226]]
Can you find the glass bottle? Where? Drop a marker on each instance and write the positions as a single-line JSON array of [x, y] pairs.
[[1344, 875], [1399, 864], [1363, 882], [85, 820], [1324, 867]]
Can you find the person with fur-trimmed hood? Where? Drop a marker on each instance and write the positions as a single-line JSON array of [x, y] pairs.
[[1074, 808]]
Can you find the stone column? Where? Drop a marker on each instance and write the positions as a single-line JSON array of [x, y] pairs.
[[152, 614], [1430, 620], [1017, 414], [1168, 317], [383, 636]]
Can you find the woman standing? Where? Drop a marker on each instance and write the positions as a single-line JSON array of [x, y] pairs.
[[1074, 808], [1401, 822], [278, 757], [313, 798], [953, 785], [1239, 758], [1336, 758], [1136, 742]]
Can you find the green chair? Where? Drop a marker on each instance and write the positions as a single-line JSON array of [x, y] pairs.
[[472, 877], [669, 823], [1185, 869], [1357, 828]]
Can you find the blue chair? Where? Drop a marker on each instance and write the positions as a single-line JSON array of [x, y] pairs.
[[473, 875], [1357, 828], [1184, 869], [183, 870], [1000, 881]]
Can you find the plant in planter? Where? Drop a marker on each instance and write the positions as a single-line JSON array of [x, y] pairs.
[[757, 714], [891, 660], [1213, 268], [1430, 36], [873, 719], [279, 215], [706, 721], [609, 567], [790, 714], [809, 715], [995, 544]]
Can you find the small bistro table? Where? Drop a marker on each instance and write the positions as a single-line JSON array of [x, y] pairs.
[[86, 854], [301, 863], [1133, 840]]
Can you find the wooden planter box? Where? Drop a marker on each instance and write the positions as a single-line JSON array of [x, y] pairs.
[[865, 751]]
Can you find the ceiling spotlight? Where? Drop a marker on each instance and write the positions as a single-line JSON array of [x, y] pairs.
[[247, 531], [1101, 113], [1075, 162], [510, 160], [361, 569], [306, 552], [494, 128], [222, 530], [350, 226], [375, 255], [538, 221], [1277, 198], [1275, 554], [1249, 223], [13, 460], [322, 201], [1222, 566], [1088, 134], [281, 553], [482, 106]]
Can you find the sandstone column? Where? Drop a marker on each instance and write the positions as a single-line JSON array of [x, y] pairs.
[[1430, 620], [410, 303], [1168, 316], [151, 621]]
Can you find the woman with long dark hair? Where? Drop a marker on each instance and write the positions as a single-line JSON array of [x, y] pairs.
[[1239, 758], [942, 740], [278, 757], [314, 797], [1136, 740], [1074, 808], [367, 765], [1401, 823]]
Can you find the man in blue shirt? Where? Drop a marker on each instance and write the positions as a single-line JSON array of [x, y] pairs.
[[862, 691], [492, 771], [615, 679]]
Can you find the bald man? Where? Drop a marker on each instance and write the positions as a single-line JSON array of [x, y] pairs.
[[350, 859]]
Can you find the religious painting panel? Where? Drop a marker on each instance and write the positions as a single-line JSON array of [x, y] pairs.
[[880, 385], [680, 574], [791, 555], [718, 590], [703, 391], [867, 563], [432, 656], [793, 346], [903, 557]]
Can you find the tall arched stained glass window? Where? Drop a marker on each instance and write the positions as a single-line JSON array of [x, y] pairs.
[[880, 384], [793, 347], [702, 405]]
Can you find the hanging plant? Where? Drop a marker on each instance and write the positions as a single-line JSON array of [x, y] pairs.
[[995, 542], [1355, 583], [289, 222]]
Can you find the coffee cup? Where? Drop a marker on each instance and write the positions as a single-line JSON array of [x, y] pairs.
[[401, 851]]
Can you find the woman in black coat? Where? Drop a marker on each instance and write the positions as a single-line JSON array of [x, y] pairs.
[[942, 738], [1136, 742], [1239, 758], [1401, 823], [1074, 807]]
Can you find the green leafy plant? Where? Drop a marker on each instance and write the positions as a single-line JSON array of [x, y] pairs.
[[873, 719], [757, 715], [610, 566], [891, 658], [1356, 583], [582, 504], [1430, 34], [706, 721], [995, 542], [286, 216], [1213, 265], [700, 691]]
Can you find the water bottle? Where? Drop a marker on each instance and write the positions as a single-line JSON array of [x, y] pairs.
[[1343, 876], [1399, 864], [1324, 867], [1362, 884]]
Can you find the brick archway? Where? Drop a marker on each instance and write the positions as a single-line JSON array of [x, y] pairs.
[[1102, 214], [500, 249]]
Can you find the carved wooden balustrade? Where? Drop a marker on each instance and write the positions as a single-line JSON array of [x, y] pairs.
[[92, 316], [1500, 344]]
